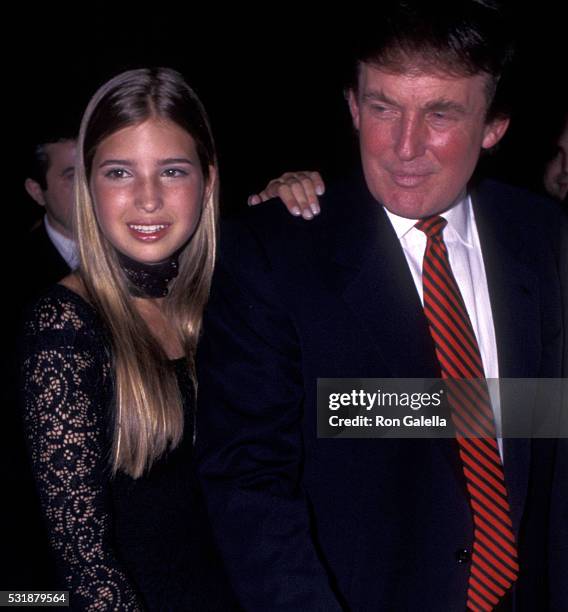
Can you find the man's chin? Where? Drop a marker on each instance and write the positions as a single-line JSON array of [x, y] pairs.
[[410, 206]]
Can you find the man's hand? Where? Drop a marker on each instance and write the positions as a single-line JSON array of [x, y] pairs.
[[298, 190]]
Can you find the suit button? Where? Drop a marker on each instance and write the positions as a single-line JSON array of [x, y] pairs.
[[463, 555]]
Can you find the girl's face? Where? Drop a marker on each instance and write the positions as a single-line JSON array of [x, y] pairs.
[[148, 188]]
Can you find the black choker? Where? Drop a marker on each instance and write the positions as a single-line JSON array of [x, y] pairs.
[[149, 280]]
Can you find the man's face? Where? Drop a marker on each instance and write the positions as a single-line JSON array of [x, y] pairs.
[[420, 136], [556, 173], [58, 198]]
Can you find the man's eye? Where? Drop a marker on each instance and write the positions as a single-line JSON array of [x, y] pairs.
[[442, 117], [380, 111]]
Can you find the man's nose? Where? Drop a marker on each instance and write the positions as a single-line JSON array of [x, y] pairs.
[[564, 161], [148, 195], [410, 138]]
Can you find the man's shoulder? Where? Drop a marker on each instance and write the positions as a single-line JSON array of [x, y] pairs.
[[39, 263], [37, 246], [273, 227], [529, 224], [519, 204], [36, 237]]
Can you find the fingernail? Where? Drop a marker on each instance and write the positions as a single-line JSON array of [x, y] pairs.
[[296, 211], [307, 214], [319, 190], [315, 209]]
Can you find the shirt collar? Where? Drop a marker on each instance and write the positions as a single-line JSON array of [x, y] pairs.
[[459, 218], [65, 246]]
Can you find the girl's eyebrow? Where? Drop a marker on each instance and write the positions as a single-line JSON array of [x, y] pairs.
[[130, 162], [175, 160]]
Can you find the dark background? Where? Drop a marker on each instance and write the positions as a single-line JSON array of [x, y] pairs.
[[272, 82], [271, 79]]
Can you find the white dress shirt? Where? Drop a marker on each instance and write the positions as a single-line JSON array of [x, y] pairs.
[[466, 260], [65, 246]]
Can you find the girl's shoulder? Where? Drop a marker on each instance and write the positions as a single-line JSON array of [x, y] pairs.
[[62, 309], [59, 318]]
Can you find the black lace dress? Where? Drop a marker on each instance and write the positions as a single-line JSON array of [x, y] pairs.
[[119, 544]]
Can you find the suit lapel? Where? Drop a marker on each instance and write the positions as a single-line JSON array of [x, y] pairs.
[[371, 274], [513, 287], [513, 290]]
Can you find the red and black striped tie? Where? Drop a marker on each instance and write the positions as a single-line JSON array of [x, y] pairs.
[[494, 565]]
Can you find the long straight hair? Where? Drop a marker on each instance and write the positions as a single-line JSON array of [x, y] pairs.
[[148, 416]]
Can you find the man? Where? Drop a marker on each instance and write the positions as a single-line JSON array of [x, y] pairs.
[[556, 171], [49, 249], [361, 524]]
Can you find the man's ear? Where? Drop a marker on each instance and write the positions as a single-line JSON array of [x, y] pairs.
[[494, 131], [35, 191], [353, 108]]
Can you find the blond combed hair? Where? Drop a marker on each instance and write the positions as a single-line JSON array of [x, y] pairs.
[[148, 416]]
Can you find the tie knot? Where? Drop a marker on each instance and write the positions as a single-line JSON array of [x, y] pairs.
[[432, 226]]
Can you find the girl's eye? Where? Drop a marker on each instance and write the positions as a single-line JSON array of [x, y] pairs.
[[174, 172], [117, 173]]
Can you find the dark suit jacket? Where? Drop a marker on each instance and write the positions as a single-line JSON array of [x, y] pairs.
[[324, 524], [40, 262]]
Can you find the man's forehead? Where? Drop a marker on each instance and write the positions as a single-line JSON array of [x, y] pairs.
[[422, 85], [60, 149], [413, 69]]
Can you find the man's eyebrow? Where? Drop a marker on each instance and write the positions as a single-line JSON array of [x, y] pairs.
[[445, 105], [378, 96], [435, 105]]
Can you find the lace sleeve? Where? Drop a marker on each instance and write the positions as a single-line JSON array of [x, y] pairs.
[[65, 394]]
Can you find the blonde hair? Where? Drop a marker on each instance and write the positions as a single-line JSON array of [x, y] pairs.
[[148, 418]]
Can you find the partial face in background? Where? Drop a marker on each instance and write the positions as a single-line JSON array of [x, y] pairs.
[[58, 198], [556, 172], [148, 188], [420, 136]]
